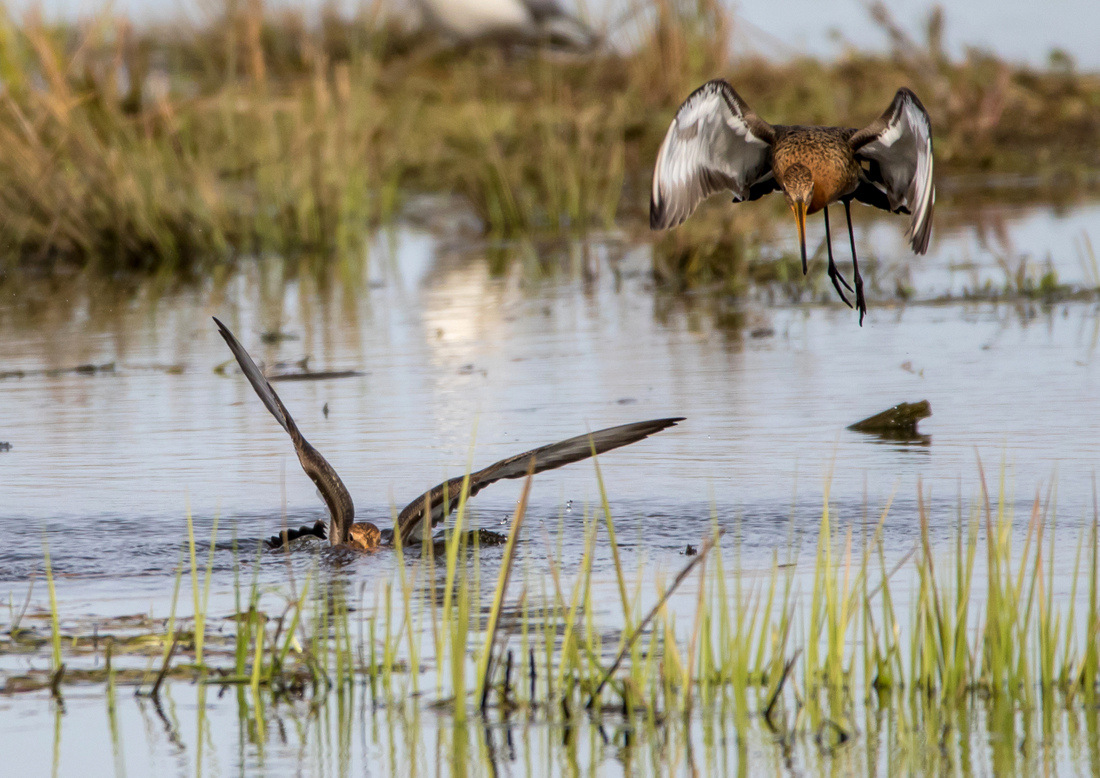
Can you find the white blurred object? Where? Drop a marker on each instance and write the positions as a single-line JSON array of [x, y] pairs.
[[526, 21]]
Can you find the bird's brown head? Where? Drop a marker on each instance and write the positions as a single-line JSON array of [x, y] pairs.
[[364, 536], [798, 187]]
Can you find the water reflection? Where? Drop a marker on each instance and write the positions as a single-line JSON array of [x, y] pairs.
[[198, 730], [495, 347]]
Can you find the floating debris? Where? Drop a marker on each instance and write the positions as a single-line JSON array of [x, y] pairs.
[[897, 423], [157, 367], [220, 368], [482, 537], [487, 537], [315, 375], [87, 369], [92, 369], [299, 371], [274, 336]]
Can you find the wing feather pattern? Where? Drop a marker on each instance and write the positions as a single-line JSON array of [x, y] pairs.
[[715, 142], [441, 500], [898, 145], [324, 476]]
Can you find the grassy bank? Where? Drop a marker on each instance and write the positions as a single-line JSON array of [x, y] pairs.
[[182, 147]]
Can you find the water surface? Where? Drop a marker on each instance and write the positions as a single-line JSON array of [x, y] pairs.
[[464, 364]]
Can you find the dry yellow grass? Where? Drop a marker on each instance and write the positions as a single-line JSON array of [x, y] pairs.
[[174, 149]]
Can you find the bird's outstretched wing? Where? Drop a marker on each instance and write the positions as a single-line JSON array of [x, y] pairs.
[[715, 142], [441, 500], [898, 146], [332, 489]]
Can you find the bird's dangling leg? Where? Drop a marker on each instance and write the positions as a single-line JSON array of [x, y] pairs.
[[861, 302], [834, 274]]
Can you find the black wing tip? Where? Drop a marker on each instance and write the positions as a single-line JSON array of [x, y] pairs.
[[654, 426], [921, 240], [654, 214], [658, 214], [224, 331], [905, 93], [719, 84], [723, 87], [612, 438], [661, 217]]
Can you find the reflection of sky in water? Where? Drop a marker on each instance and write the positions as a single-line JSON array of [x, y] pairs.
[[347, 735], [1016, 29]]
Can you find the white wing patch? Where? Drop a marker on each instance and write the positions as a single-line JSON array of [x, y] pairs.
[[903, 151], [709, 147]]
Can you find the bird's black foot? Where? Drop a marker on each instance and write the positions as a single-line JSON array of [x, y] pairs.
[[834, 273], [838, 279], [861, 301]]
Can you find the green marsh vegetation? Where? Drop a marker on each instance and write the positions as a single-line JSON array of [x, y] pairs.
[[178, 148], [262, 133], [843, 652]]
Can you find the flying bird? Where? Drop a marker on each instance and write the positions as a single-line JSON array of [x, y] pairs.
[[525, 21], [716, 142], [436, 503]]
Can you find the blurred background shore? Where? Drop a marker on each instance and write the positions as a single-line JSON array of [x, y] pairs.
[[180, 142]]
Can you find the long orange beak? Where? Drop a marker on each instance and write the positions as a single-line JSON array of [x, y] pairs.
[[799, 209]]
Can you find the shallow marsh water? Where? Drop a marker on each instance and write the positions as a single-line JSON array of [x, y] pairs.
[[563, 340], [200, 733]]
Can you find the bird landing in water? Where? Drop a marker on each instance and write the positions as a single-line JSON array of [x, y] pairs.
[[717, 143], [418, 518]]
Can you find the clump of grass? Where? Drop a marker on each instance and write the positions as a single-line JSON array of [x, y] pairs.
[[258, 130], [161, 177], [979, 624]]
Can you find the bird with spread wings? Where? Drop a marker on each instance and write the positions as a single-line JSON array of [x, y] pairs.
[[717, 143], [433, 506]]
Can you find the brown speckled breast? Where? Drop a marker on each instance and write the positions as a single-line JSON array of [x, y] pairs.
[[826, 152]]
